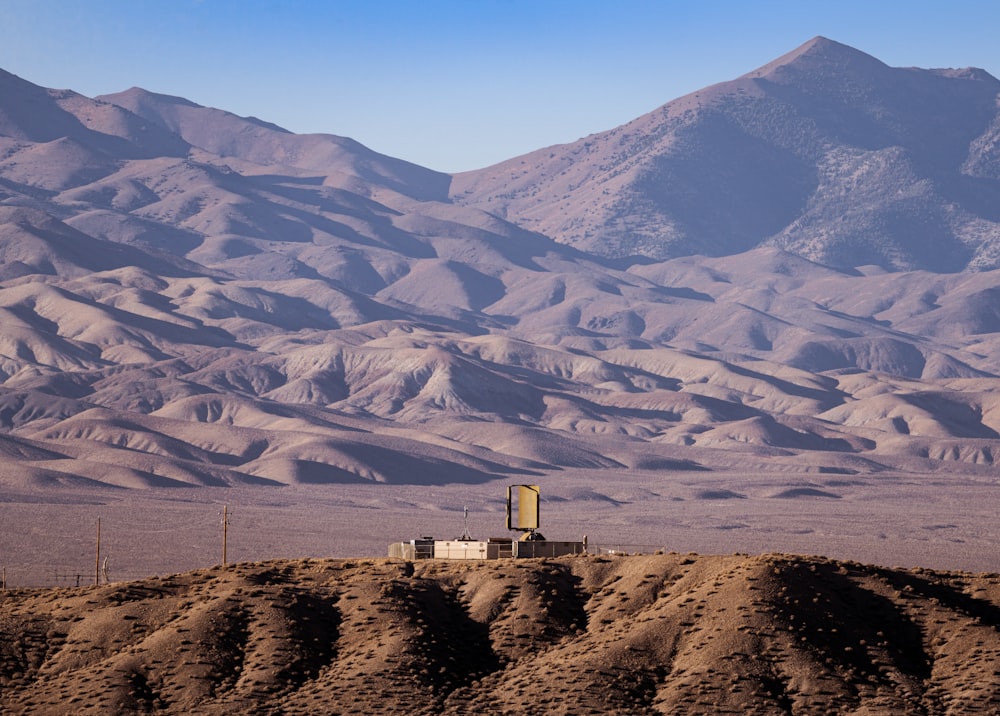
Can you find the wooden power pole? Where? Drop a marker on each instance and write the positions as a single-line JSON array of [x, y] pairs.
[[225, 533], [97, 561]]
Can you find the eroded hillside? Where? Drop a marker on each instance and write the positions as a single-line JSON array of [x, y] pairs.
[[667, 633]]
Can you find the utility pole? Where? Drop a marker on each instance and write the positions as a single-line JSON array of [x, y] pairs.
[[225, 533], [97, 561]]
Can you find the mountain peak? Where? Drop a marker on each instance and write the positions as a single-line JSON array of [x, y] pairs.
[[820, 44], [819, 52], [140, 94], [167, 109]]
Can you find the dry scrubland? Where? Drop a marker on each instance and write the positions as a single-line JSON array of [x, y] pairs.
[[670, 633]]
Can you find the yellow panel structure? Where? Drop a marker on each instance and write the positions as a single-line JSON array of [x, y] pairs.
[[527, 498]]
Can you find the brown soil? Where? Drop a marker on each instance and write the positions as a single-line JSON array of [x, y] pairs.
[[670, 633]]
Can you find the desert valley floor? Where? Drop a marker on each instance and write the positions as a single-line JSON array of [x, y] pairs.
[[930, 520]]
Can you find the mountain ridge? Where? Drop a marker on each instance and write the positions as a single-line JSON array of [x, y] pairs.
[[227, 135], [779, 153]]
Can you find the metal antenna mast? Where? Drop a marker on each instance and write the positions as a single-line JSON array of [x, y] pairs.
[[466, 537]]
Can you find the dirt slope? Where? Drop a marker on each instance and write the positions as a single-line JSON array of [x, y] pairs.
[[666, 633]]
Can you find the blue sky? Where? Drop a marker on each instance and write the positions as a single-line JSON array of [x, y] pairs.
[[459, 85]]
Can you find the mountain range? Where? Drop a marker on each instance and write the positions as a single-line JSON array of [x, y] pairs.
[[792, 271]]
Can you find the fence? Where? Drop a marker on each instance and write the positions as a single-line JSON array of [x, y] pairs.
[[82, 575]]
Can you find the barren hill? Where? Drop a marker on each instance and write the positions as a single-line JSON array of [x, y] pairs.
[[825, 152], [669, 633]]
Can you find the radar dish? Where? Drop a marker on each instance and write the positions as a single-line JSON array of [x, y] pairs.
[[522, 499]]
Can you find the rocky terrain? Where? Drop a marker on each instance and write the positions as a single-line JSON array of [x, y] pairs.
[[670, 633]]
